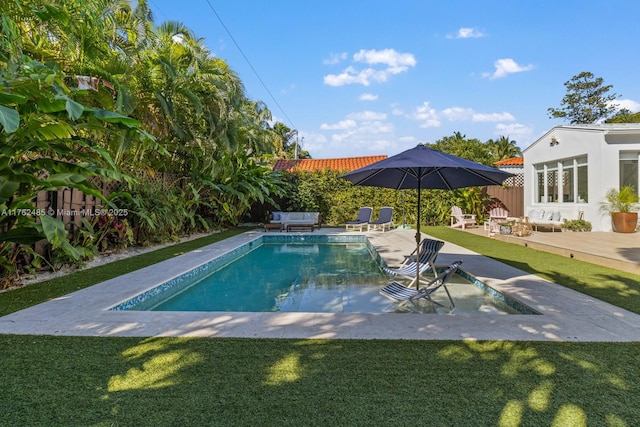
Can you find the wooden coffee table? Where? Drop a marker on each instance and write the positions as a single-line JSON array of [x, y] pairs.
[[273, 226]]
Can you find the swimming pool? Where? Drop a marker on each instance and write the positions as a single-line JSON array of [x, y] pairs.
[[302, 273]]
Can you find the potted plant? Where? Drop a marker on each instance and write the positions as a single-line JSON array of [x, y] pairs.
[[622, 205]]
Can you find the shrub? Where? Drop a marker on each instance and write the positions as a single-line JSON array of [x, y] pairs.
[[576, 225]]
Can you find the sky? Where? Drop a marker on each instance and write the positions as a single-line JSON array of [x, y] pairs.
[[372, 77]]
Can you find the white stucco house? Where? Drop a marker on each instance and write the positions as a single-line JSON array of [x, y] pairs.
[[570, 168]]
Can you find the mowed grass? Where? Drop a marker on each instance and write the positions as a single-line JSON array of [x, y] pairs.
[[75, 381], [97, 381], [607, 284]]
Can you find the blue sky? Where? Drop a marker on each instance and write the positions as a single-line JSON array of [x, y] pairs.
[[372, 77]]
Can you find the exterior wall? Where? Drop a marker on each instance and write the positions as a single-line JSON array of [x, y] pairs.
[[603, 154]]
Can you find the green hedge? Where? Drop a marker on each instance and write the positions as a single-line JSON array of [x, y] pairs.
[[338, 200]]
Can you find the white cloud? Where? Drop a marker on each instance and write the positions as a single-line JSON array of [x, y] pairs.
[[523, 135], [394, 61], [466, 33], [367, 116], [454, 114], [313, 142], [428, 116], [368, 97], [365, 133], [507, 66], [335, 58], [359, 134], [514, 130], [396, 110], [431, 117], [492, 117], [629, 104], [343, 124], [352, 76], [389, 57]]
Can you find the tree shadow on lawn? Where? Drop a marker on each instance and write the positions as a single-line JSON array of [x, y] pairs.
[[615, 289], [174, 381]]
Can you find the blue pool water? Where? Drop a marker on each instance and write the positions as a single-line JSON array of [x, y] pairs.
[[301, 273]]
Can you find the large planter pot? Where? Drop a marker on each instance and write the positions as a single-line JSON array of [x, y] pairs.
[[624, 222]]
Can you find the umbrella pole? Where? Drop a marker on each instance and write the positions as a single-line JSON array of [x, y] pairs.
[[418, 240]]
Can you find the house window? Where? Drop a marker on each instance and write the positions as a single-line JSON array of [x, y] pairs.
[[582, 186], [563, 181], [540, 195], [629, 169], [568, 181], [552, 182]]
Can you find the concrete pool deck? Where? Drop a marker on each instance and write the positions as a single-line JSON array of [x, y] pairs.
[[566, 315]]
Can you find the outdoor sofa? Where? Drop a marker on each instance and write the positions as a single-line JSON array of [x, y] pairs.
[[290, 220], [549, 218]]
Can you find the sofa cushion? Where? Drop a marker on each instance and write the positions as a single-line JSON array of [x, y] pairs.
[[296, 217], [536, 214]]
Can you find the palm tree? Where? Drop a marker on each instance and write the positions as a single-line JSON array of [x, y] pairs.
[[503, 148]]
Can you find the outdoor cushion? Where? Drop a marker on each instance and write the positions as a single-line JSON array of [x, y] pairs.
[[536, 214], [288, 218]]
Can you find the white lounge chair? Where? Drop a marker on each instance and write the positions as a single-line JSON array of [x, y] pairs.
[[384, 221], [497, 215], [364, 216], [462, 220], [429, 249], [404, 294]]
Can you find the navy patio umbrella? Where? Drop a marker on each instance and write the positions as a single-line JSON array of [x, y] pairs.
[[423, 167]]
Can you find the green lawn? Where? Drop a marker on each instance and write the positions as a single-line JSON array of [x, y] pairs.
[[614, 286], [83, 381]]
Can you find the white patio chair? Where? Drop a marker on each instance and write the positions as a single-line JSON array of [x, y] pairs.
[[462, 220]]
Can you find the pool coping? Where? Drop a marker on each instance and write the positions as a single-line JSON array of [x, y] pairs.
[[567, 315]]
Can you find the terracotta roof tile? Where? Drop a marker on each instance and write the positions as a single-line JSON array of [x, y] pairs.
[[513, 161], [346, 164]]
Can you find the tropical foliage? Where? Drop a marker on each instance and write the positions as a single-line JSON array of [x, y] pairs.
[[624, 116], [503, 148], [95, 91], [461, 146], [290, 142], [623, 200]]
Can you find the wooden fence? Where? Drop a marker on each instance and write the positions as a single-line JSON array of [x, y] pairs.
[[71, 205], [512, 198]]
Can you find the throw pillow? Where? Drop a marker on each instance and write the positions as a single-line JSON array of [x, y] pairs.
[[536, 214]]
